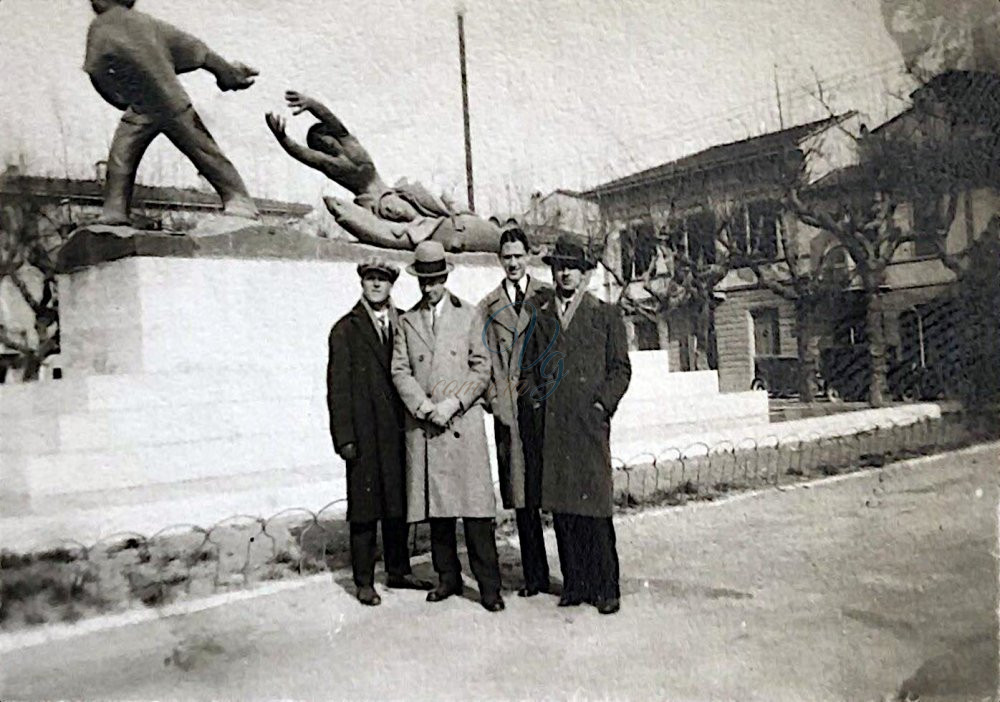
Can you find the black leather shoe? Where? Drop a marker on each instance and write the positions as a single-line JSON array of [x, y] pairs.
[[368, 596], [408, 582], [532, 591], [493, 603], [443, 592], [608, 606], [570, 601]]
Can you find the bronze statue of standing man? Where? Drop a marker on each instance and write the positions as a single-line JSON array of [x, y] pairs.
[[133, 61]]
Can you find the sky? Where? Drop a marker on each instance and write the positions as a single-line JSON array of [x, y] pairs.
[[563, 93]]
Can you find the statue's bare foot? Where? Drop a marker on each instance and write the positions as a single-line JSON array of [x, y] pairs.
[[241, 207], [114, 219]]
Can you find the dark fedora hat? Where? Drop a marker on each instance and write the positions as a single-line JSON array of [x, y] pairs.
[[569, 253], [429, 261]]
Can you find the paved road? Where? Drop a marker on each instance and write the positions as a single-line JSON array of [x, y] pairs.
[[841, 591]]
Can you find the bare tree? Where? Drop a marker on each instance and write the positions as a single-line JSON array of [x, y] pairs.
[[809, 285], [920, 165], [30, 236], [671, 273]]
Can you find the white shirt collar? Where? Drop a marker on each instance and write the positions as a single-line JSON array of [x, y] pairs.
[[511, 287], [439, 306]]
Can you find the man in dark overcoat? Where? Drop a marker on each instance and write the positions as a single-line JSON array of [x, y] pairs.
[[367, 423], [578, 354], [507, 319]]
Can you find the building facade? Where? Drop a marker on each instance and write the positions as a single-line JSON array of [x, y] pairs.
[[729, 202]]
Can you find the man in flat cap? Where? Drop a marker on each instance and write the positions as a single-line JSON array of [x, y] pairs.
[[366, 421], [442, 370], [133, 61]]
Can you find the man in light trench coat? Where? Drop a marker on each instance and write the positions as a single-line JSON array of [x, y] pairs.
[[508, 319], [441, 370]]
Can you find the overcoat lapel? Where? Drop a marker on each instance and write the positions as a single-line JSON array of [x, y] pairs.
[[365, 325], [566, 318], [447, 331], [417, 319], [524, 318], [500, 309]]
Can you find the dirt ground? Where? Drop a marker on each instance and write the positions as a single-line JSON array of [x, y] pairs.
[[853, 589]]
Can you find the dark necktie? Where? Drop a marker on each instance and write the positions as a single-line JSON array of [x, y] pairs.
[[518, 299], [383, 329]]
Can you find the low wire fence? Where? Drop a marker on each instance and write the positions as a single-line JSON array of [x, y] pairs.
[[70, 580]]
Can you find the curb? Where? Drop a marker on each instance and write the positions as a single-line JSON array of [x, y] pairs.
[[60, 632], [904, 465]]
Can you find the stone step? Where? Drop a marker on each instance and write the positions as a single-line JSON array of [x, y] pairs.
[[656, 411], [201, 503], [139, 391], [630, 441], [160, 424], [739, 434], [655, 382], [73, 471]]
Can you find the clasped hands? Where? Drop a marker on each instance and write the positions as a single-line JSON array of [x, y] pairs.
[[439, 413]]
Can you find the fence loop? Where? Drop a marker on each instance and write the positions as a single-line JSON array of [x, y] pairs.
[[182, 556]]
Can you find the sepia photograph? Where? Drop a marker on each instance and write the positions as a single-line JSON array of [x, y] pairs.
[[500, 350]]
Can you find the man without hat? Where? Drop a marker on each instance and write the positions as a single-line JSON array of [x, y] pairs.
[[441, 370], [508, 319], [366, 421], [588, 338]]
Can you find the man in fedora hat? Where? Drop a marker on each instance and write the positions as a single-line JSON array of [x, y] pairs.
[[366, 421], [441, 370], [508, 319], [588, 336]]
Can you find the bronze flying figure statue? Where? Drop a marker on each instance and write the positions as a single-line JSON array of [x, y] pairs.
[[397, 217], [133, 61]]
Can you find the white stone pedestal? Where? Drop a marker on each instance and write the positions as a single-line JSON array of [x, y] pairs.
[[195, 389]]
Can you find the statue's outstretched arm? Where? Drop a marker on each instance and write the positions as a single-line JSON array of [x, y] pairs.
[[190, 53], [333, 167], [302, 103]]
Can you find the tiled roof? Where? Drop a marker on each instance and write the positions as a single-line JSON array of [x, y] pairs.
[[754, 147]]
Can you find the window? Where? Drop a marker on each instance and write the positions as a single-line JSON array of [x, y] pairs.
[[694, 236], [638, 244], [926, 220], [701, 236], [647, 337], [763, 221], [766, 331]]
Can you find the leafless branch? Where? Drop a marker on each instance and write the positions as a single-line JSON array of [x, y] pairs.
[[22, 288], [9, 341]]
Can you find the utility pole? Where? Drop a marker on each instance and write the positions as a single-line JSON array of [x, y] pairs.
[[777, 94], [470, 189]]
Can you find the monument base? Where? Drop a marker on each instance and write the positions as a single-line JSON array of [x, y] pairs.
[[194, 386]]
